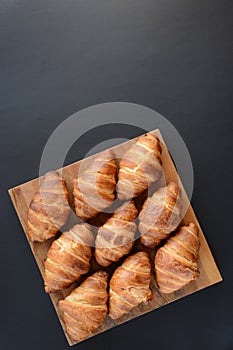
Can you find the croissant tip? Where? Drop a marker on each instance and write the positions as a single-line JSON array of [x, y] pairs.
[[192, 225], [173, 187], [31, 239], [113, 317], [51, 173], [149, 297], [47, 290], [121, 196], [102, 273]]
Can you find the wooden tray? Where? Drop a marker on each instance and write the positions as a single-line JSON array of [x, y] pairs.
[[22, 195]]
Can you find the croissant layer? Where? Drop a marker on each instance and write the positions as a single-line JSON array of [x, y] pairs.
[[140, 166], [85, 308], [160, 215], [176, 263], [130, 285], [94, 188], [116, 237], [68, 258], [49, 209]]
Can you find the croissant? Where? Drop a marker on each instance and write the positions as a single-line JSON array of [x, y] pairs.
[[139, 167], [116, 237], [68, 258], [160, 215], [86, 307], [130, 285], [176, 263], [49, 209], [94, 188]]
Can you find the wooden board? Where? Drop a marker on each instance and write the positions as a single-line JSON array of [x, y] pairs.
[[22, 195]]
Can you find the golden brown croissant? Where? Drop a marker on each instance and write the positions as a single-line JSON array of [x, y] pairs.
[[94, 188], [176, 263], [140, 166], [49, 209], [86, 307], [160, 215], [68, 258], [116, 237], [130, 285]]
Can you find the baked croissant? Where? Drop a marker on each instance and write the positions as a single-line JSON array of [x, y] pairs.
[[94, 188], [49, 209], [176, 263], [160, 215], [140, 166], [130, 285], [68, 258], [116, 237], [86, 307]]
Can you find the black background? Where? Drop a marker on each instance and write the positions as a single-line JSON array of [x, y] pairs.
[[176, 57]]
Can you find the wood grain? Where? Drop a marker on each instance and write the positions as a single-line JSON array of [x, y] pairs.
[[22, 195]]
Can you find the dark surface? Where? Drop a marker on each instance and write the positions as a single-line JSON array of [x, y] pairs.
[[58, 57]]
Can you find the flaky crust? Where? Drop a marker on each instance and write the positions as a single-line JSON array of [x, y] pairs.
[[49, 209], [130, 285], [85, 308], [68, 258], [160, 215], [94, 188], [116, 237], [176, 263], [140, 166]]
